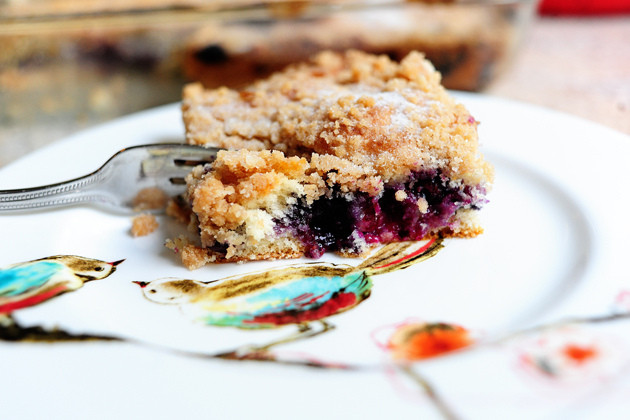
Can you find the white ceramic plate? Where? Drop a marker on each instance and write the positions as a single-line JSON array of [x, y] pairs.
[[554, 248]]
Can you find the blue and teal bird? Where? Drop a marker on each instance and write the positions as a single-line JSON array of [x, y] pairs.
[[295, 294], [30, 283]]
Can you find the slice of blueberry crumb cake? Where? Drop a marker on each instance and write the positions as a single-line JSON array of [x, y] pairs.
[[341, 153]]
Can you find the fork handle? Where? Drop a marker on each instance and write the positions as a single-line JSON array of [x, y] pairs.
[[54, 195]]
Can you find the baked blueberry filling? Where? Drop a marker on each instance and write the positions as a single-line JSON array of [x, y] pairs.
[[404, 211]]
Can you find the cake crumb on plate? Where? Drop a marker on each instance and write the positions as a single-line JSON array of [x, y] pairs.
[[143, 224]]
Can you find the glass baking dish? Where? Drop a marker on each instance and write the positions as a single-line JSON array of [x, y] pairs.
[[68, 64]]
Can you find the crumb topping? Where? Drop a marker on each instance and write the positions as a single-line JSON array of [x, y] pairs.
[[150, 198], [387, 117]]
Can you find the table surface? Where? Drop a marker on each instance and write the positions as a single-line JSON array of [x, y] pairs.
[[580, 66]]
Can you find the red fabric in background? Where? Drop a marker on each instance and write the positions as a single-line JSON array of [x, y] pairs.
[[583, 7]]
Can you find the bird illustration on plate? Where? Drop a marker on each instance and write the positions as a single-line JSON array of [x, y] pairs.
[[29, 283], [299, 294]]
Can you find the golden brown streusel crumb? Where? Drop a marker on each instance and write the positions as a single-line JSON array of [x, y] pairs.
[[151, 198], [192, 256], [143, 224], [381, 115]]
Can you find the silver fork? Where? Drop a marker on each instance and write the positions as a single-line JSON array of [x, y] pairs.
[[117, 183]]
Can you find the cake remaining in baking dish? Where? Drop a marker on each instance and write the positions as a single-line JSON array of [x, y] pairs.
[[337, 154]]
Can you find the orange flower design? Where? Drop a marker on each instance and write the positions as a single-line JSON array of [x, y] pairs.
[[573, 355], [418, 341], [580, 354]]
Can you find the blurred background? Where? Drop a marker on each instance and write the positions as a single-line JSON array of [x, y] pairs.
[[66, 65]]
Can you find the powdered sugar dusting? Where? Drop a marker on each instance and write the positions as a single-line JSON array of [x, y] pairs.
[[399, 106]]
